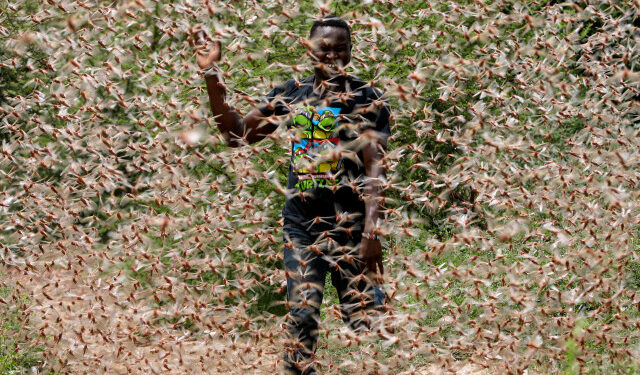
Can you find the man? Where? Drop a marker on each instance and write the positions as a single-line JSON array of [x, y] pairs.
[[339, 125]]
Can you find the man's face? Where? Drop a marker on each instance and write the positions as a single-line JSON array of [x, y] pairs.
[[331, 49]]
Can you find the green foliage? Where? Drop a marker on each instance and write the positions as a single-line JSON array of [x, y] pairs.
[[17, 356]]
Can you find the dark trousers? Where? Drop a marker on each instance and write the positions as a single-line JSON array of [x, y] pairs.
[[310, 252]]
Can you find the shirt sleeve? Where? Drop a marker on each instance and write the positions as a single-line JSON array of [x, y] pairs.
[[378, 115], [382, 119], [275, 102]]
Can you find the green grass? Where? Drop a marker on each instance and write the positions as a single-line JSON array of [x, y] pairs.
[[16, 354]]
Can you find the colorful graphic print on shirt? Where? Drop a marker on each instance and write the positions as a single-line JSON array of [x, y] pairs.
[[310, 155]]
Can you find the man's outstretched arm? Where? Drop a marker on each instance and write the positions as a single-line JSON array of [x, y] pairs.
[[236, 129]]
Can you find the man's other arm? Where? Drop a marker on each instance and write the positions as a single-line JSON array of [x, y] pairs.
[[371, 250], [236, 129]]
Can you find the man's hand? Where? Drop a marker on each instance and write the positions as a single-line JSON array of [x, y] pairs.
[[371, 254], [207, 50], [236, 129]]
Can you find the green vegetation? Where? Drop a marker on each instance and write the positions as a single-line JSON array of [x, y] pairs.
[[17, 356]]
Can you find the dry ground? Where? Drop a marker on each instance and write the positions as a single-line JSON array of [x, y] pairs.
[[79, 345]]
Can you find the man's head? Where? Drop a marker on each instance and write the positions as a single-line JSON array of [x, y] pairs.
[[330, 46]]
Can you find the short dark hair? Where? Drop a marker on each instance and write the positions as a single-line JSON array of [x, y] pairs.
[[333, 21]]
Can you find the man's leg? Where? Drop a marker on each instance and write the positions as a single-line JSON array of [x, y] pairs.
[[358, 295], [306, 271]]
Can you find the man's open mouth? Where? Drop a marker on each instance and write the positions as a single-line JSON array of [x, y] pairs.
[[332, 69]]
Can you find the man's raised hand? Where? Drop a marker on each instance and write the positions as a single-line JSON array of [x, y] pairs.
[[236, 129], [207, 50]]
